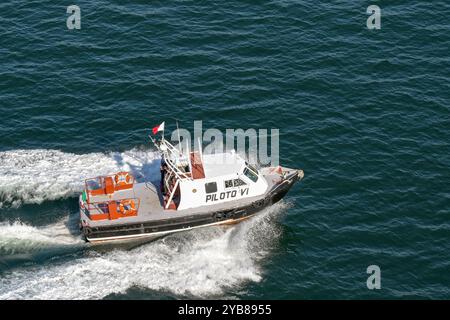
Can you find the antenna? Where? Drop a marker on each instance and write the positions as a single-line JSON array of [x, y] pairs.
[[164, 128], [189, 156], [154, 142], [179, 139], [200, 149]]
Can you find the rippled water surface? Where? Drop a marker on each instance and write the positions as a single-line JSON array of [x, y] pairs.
[[364, 112]]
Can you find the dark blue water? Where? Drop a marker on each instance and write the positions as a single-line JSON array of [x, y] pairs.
[[363, 112]]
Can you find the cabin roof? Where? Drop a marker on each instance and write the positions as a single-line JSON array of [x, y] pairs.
[[221, 164]]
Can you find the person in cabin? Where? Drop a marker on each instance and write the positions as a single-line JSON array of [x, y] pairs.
[[163, 170]]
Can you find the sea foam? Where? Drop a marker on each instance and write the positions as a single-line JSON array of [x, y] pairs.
[[34, 176], [201, 263], [20, 238]]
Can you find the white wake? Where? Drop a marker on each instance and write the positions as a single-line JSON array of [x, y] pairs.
[[20, 238], [33, 176], [203, 263]]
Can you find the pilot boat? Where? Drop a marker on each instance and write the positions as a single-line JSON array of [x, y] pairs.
[[195, 190]]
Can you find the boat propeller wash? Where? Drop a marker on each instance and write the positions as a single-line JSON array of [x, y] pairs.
[[194, 190]]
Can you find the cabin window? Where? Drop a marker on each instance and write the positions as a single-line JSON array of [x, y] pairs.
[[239, 182], [251, 174], [234, 183], [211, 187], [228, 183], [251, 167]]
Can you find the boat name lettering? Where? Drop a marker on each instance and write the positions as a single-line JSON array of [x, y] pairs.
[[226, 195]]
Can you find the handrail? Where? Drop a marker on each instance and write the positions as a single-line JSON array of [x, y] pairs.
[[172, 194], [175, 170], [169, 151]]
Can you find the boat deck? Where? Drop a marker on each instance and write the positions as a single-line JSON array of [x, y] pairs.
[[151, 204]]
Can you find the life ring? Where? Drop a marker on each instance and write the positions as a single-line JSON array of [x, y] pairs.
[[122, 178], [126, 206]]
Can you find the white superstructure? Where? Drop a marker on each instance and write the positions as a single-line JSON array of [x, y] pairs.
[[196, 180]]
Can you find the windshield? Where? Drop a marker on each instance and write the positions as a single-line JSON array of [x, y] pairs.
[[252, 175]]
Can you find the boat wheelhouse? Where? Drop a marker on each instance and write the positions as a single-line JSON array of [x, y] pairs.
[[196, 180]]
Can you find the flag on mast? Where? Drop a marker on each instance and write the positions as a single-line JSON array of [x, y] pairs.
[[158, 128]]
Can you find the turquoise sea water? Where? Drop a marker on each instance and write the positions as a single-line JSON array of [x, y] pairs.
[[363, 112]]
